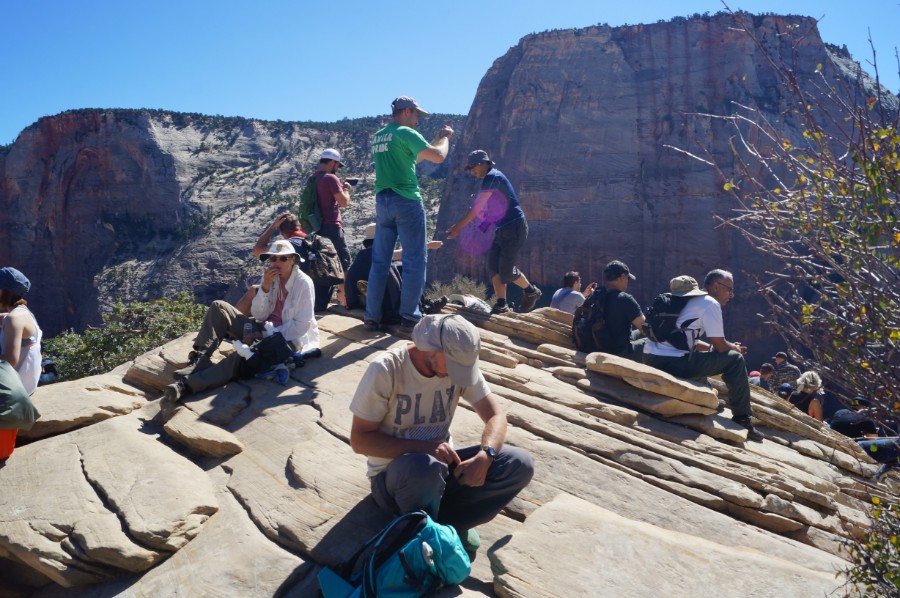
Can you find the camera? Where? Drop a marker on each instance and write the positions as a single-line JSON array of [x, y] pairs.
[[352, 182]]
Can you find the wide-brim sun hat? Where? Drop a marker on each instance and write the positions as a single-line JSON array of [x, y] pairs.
[[280, 247], [685, 286]]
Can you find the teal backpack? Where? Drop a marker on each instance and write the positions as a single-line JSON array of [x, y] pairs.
[[413, 556], [310, 213]]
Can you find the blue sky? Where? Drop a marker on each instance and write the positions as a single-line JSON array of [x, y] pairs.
[[302, 60]]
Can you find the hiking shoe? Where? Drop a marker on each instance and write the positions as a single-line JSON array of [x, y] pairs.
[[470, 541], [407, 325], [530, 299], [744, 421], [175, 391], [504, 309], [372, 325]]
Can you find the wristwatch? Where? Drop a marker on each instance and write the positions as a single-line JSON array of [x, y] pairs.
[[491, 452]]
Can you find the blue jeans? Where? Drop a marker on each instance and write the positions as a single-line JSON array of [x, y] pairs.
[[397, 216]]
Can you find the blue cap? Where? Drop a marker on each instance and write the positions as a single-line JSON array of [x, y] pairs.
[[14, 281]]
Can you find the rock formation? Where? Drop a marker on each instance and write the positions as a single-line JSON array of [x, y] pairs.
[[579, 121], [134, 204], [640, 488]]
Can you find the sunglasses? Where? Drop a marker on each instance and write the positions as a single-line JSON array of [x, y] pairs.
[[279, 258]]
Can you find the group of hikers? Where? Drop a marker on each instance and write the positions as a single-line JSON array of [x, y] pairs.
[[406, 400]]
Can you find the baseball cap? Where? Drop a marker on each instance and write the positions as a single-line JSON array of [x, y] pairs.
[[14, 281], [407, 102], [781, 355], [477, 157], [615, 269], [685, 286], [457, 338], [331, 154]]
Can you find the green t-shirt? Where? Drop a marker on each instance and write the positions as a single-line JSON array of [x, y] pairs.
[[395, 149]]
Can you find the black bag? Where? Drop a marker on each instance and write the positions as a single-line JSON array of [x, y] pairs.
[[661, 323], [267, 353], [589, 323], [324, 265]]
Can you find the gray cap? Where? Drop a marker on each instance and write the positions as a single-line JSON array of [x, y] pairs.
[[457, 338], [14, 281], [478, 157], [685, 286], [406, 102]]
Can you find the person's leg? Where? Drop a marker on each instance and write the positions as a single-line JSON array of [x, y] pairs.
[[382, 251], [222, 320], [214, 376], [410, 218], [465, 507], [411, 482]]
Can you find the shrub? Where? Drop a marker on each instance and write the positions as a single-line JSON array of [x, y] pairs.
[[129, 331], [876, 557]]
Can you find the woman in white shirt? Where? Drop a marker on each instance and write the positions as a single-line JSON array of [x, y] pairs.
[[20, 335]]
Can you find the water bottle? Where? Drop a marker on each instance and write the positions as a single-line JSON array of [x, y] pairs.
[[248, 333]]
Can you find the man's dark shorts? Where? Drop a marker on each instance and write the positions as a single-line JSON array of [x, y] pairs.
[[504, 253]]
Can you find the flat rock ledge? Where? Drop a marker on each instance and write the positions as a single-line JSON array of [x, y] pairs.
[[250, 488]]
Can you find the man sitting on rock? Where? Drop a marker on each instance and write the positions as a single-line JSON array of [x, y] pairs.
[[402, 411], [785, 372], [622, 312], [284, 298], [702, 315], [766, 371], [569, 297]]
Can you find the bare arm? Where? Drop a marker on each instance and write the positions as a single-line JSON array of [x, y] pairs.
[[476, 210], [473, 471], [262, 244], [342, 198], [639, 321], [723, 346], [398, 253], [13, 329], [366, 438], [440, 146]]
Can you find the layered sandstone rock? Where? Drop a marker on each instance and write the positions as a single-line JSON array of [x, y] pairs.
[[582, 120], [249, 488]]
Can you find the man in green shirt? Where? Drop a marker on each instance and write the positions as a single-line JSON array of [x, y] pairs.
[[399, 212]]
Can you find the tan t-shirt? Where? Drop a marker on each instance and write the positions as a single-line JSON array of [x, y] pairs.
[[408, 404]]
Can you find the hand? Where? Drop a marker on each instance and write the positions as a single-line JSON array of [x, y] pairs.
[[473, 472], [434, 244], [453, 231], [445, 454], [446, 131], [269, 277], [740, 348]]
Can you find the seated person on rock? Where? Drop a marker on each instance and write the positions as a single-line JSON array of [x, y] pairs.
[[20, 335], [359, 272], [284, 298], [785, 372], [622, 312], [402, 411], [807, 397], [702, 316], [856, 421], [569, 297], [766, 371]]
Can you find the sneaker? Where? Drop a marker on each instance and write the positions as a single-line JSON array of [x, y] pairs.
[[407, 325], [372, 325], [471, 541], [175, 391], [501, 309], [752, 434], [530, 299]]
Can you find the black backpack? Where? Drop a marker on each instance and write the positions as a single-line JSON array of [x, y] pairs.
[[589, 323], [310, 213], [662, 317]]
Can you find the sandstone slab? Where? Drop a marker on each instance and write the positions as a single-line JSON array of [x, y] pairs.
[[201, 437]]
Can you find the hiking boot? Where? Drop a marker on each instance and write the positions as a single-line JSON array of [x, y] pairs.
[[407, 325], [372, 325], [176, 391], [744, 421], [501, 309], [529, 300], [471, 541]]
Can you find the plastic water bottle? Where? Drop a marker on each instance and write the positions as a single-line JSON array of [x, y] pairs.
[[248, 333]]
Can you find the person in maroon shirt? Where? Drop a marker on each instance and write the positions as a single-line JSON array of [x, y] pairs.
[[334, 194]]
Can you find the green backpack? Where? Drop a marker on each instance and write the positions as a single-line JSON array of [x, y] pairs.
[[310, 213]]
